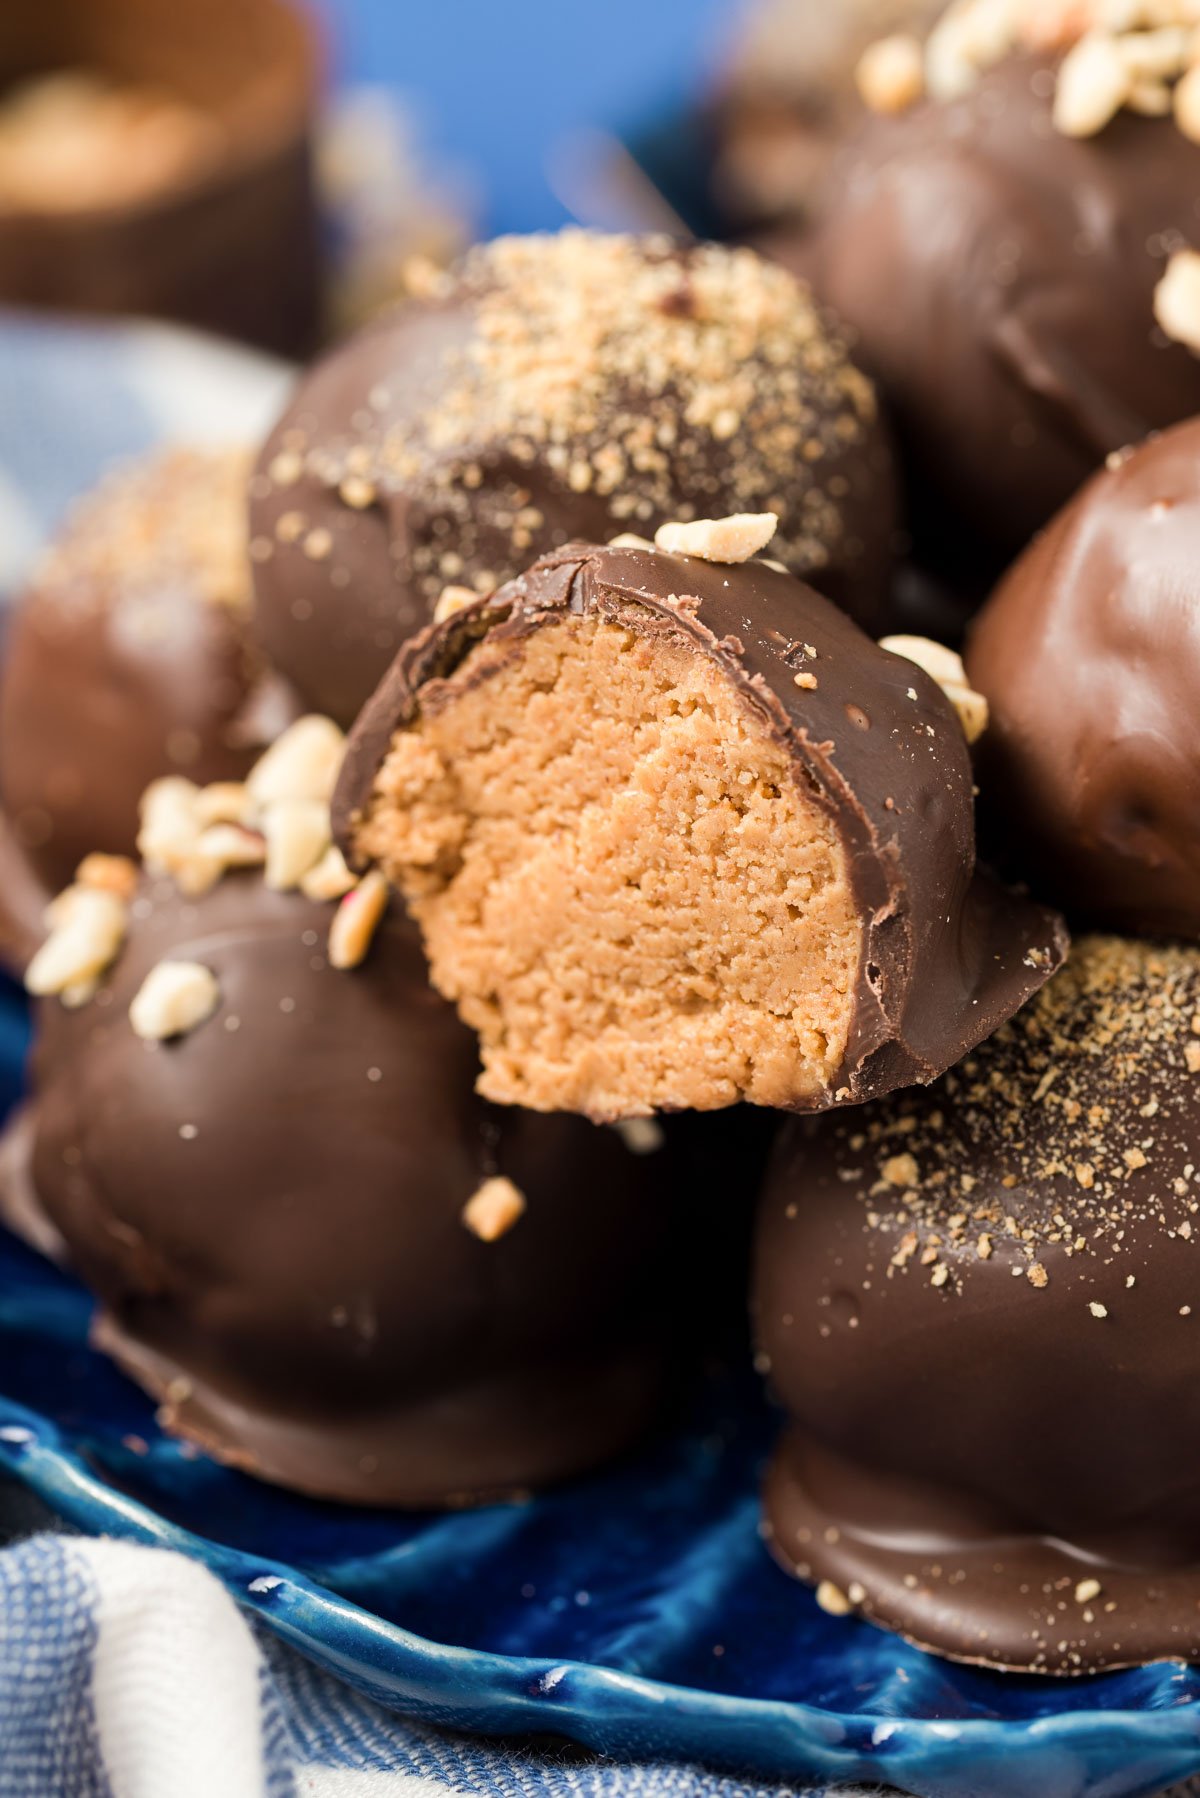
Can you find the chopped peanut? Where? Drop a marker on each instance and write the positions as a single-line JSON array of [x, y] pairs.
[[733, 539], [174, 998], [492, 1211], [356, 921]]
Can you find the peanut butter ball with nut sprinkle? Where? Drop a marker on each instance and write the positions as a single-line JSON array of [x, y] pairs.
[[978, 1305], [1015, 247], [557, 387], [254, 1133]]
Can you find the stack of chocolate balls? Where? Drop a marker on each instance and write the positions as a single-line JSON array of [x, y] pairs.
[[602, 795]]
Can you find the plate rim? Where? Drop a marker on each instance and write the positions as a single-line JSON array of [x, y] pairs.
[[483, 1691]]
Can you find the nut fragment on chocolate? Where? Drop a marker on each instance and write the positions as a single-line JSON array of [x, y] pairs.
[[356, 921], [493, 1210], [88, 926], [995, 1449], [277, 818], [1088, 654], [655, 873], [111, 873], [1177, 299], [729, 540], [556, 387], [174, 998], [946, 668], [1000, 277], [1112, 56]]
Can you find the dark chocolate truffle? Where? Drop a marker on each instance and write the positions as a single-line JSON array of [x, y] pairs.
[[156, 159], [335, 1265], [979, 1303], [1089, 656], [129, 657], [679, 834], [1001, 278], [554, 388]]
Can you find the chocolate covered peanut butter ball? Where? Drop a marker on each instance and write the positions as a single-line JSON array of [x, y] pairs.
[[678, 834], [129, 657], [978, 1304], [1089, 656], [998, 248], [552, 388], [333, 1264]]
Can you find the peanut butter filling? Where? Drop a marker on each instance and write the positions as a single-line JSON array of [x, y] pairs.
[[621, 880]]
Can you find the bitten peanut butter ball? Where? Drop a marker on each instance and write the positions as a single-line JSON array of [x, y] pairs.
[[1000, 246], [1089, 656], [255, 1135], [553, 388], [978, 1304], [129, 657], [678, 834]]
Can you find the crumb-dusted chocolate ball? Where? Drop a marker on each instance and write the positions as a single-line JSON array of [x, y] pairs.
[[129, 657], [557, 387], [1089, 656], [978, 1303], [335, 1265], [1000, 275], [678, 833]]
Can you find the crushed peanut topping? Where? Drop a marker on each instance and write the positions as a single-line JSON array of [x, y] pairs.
[[175, 997], [167, 521], [1068, 1124], [1115, 54], [492, 1211], [277, 819], [729, 540], [110, 873], [638, 374]]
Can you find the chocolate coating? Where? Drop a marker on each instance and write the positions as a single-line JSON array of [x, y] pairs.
[[978, 1304], [1000, 277], [232, 248], [1089, 656], [129, 658], [555, 388], [946, 954], [270, 1210]]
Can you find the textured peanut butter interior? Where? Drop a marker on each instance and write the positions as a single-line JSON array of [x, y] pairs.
[[620, 879]]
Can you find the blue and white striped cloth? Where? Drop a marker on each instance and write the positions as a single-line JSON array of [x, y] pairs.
[[128, 1672]]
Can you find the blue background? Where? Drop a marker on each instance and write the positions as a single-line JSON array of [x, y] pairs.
[[496, 85]]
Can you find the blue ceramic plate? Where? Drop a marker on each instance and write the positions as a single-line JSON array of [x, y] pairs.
[[636, 1612]]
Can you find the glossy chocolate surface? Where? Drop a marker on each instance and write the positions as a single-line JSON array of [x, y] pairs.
[[947, 954], [1089, 656], [270, 1210], [557, 388], [1000, 277], [978, 1304]]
